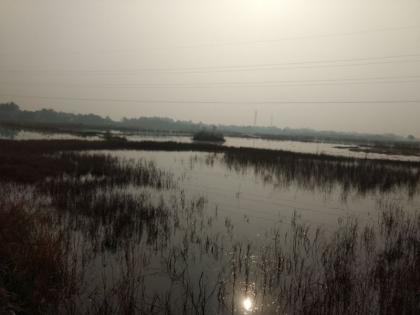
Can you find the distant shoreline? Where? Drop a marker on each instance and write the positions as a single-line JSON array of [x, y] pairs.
[[51, 146]]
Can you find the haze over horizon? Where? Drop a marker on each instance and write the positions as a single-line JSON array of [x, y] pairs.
[[325, 65]]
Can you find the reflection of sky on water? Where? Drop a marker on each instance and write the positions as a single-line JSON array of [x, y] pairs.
[[33, 135], [254, 205], [245, 206], [240, 207], [294, 146]]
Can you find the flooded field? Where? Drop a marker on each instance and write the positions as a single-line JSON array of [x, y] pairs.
[[239, 157], [258, 196], [335, 149], [158, 232], [293, 146], [13, 134]]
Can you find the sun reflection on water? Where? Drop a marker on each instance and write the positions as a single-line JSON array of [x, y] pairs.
[[247, 304]]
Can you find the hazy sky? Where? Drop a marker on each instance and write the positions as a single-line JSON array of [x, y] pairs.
[[323, 64]]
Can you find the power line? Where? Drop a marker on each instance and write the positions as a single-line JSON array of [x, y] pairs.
[[303, 37], [233, 68], [285, 66], [152, 101], [231, 43], [269, 83]]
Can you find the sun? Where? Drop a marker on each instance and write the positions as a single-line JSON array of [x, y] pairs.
[[247, 304]]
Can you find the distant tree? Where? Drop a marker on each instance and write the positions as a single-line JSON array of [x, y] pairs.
[[12, 112], [9, 111], [411, 137], [9, 107]]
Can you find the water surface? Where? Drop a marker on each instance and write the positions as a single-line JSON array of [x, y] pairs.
[[335, 149]]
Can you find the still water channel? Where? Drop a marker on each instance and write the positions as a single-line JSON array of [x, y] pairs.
[[335, 149]]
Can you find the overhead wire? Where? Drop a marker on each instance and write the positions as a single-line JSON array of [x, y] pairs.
[[221, 84], [345, 62], [225, 102], [232, 43]]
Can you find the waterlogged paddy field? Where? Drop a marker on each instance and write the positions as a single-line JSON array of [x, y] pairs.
[[256, 199], [335, 149], [293, 146], [12, 134], [201, 233]]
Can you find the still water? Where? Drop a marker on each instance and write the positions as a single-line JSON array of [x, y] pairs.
[[240, 209], [13, 134], [255, 203], [335, 149], [293, 146], [227, 235]]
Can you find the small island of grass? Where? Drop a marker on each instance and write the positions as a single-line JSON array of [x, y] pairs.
[[208, 136], [108, 136]]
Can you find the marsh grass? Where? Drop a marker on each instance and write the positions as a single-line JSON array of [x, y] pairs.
[[352, 175], [28, 161], [353, 270], [75, 239], [34, 272]]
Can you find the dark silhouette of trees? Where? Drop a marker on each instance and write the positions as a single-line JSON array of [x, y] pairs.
[[11, 113]]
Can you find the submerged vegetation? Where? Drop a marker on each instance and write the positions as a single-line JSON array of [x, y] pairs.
[[34, 266], [85, 232], [321, 172], [405, 148], [26, 161]]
